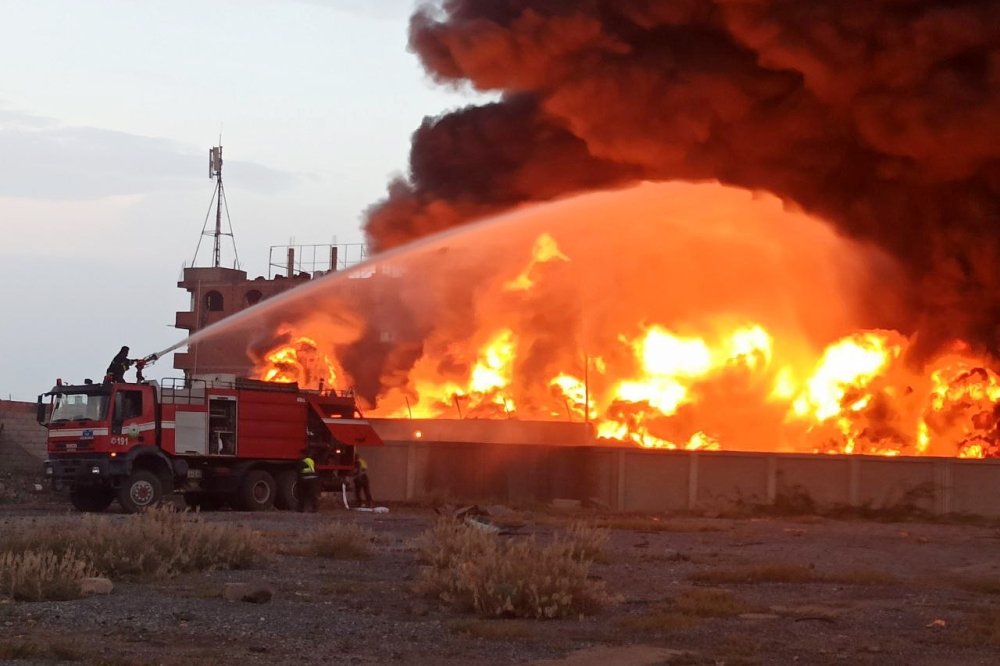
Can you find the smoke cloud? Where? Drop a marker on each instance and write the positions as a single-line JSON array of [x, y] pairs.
[[880, 116]]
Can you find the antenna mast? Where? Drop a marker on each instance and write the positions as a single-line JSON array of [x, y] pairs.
[[218, 199]]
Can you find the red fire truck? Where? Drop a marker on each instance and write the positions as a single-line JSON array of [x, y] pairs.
[[217, 441]]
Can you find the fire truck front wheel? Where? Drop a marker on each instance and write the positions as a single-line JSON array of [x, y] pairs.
[[91, 499], [140, 491], [257, 490]]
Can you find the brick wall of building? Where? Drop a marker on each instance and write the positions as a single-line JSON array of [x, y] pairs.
[[22, 440]]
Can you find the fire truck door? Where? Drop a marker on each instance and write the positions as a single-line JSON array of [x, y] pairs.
[[130, 423]]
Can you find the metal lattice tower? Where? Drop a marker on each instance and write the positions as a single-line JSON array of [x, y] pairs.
[[218, 201]]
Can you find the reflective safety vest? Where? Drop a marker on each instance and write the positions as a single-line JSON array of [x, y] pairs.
[[308, 467]]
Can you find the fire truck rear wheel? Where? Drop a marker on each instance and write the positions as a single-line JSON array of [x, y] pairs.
[[286, 498], [257, 490], [92, 500], [142, 490]]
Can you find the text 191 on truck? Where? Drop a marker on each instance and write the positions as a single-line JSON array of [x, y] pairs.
[[236, 442]]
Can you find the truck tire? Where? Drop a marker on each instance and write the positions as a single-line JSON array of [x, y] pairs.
[[286, 499], [92, 499], [140, 491], [257, 490]]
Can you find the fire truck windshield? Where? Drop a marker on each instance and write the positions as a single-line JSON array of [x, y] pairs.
[[78, 407]]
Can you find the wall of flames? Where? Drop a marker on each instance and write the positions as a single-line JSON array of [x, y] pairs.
[[721, 382]]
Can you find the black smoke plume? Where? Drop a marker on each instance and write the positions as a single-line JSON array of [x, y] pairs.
[[881, 116]]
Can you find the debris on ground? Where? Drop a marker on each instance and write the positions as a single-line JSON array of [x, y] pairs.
[[494, 518], [253, 593]]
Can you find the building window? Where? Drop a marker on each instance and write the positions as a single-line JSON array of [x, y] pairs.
[[253, 297], [213, 301]]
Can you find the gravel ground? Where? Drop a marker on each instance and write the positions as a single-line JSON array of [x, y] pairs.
[[896, 598]]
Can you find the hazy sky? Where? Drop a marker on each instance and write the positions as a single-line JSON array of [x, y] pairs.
[[107, 111]]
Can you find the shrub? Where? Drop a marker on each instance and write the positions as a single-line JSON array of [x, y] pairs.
[[475, 571], [587, 542], [154, 544], [342, 541], [450, 539], [38, 576]]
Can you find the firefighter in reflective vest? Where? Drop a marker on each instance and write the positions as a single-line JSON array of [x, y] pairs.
[[361, 483], [308, 484]]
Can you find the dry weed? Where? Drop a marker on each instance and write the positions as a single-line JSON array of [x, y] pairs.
[[37, 576], [588, 541], [449, 539], [702, 602], [661, 619], [743, 649], [342, 541], [789, 573], [862, 577], [20, 651], [650, 525], [493, 629], [982, 630], [476, 571], [979, 584], [33, 652], [340, 587], [765, 573], [686, 609], [151, 545]]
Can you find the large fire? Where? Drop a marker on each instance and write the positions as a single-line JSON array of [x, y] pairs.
[[715, 382]]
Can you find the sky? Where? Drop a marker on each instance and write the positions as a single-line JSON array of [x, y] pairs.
[[107, 111]]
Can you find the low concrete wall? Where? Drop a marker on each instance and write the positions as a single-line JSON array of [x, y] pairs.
[[629, 479], [22, 440]]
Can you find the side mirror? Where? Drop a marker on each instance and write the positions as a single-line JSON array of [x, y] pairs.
[[41, 412]]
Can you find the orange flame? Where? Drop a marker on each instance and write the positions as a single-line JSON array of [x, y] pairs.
[[733, 384], [299, 361]]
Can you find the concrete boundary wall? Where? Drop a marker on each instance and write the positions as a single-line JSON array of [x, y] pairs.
[[648, 480], [22, 440]]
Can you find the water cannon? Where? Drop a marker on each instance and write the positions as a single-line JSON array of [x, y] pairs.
[[142, 363]]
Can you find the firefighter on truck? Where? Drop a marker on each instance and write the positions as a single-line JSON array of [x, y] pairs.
[[215, 440]]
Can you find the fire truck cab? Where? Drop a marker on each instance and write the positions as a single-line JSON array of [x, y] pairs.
[[215, 440]]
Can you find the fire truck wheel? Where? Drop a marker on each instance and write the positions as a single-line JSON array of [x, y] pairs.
[[257, 490], [286, 499], [142, 490], [91, 500]]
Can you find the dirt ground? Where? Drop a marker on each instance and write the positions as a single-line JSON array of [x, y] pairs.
[[797, 590]]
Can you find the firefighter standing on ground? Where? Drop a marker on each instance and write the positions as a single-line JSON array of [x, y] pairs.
[[308, 485], [361, 483], [119, 364]]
